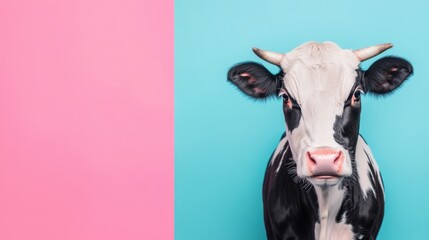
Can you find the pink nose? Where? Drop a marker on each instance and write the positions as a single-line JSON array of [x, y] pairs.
[[325, 162]]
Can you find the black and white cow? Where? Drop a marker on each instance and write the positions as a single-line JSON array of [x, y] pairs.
[[322, 181]]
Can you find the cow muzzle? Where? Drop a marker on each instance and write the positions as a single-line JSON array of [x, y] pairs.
[[325, 163]]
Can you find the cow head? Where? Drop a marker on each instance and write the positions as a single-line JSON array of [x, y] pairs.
[[321, 86]]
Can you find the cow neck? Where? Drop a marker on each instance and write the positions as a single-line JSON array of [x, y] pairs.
[[328, 199]]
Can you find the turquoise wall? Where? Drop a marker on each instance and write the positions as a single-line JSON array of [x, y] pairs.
[[223, 139]]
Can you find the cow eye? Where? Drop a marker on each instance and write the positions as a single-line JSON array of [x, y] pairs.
[[357, 94], [285, 97]]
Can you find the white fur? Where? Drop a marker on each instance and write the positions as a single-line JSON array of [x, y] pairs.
[[281, 160], [363, 169], [319, 76], [328, 228], [278, 149]]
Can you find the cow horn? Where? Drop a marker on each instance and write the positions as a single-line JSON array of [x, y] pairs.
[[369, 52], [271, 57]]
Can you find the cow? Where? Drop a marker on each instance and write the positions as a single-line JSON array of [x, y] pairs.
[[322, 181]]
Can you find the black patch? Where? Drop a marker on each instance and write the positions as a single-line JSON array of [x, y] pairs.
[[386, 74], [257, 81], [346, 126], [292, 115], [365, 215], [290, 207]]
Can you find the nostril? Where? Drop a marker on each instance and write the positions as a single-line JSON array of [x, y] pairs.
[[312, 160], [337, 158]]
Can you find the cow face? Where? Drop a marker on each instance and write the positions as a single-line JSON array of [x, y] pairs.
[[321, 86]]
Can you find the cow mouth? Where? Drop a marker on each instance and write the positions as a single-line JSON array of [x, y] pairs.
[[325, 176], [325, 180]]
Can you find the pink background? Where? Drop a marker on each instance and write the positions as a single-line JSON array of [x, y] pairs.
[[86, 119]]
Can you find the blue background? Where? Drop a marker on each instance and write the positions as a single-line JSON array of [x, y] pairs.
[[223, 139]]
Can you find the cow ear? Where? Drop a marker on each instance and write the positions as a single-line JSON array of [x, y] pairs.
[[255, 80], [386, 74]]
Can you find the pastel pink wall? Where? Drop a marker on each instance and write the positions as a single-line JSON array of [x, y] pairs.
[[86, 119]]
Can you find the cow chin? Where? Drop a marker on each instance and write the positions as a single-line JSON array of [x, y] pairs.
[[322, 181]]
